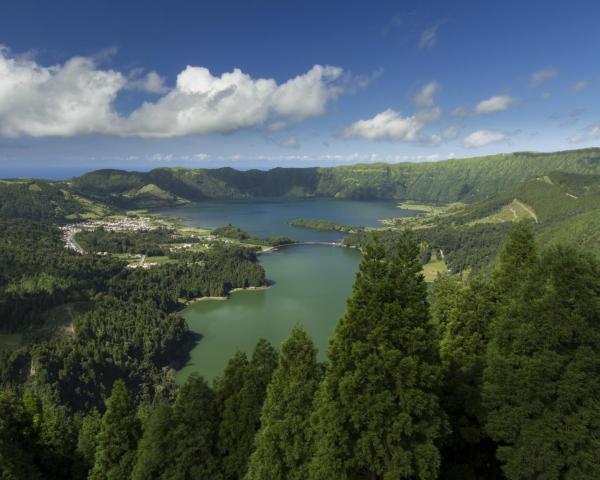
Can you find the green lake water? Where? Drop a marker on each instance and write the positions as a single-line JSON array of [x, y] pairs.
[[311, 286], [311, 282]]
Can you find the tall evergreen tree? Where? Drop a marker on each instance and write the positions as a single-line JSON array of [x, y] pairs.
[[463, 313], [118, 437], [154, 453], [193, 444], [541, 382], [240, 396], [377, 413], [86, 442], [16, 436], [516, 261], [283, 443]]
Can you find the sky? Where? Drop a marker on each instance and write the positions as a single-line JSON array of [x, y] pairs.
[[295, 83]]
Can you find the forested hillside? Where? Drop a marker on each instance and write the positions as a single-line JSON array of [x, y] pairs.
[[464, 180], [42, 200], [491, 378], [488, 375]]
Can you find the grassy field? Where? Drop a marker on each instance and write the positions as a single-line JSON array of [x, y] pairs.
[[432, 269], [515, 211]]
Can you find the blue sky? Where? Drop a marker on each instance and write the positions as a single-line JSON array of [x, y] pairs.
[[87, 84]]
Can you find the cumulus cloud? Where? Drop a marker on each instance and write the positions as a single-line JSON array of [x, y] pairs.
[[579, 86], [541, 76], [590, 133], [494, 104], [203, 103], [70, 99], [391, 125], [77, 97], [425, 97], [481, 138], [152, 82]]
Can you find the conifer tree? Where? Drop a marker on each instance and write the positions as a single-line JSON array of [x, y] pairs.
[[516, 261], [192, 450], [283, 443], [118, 437], [377, 412], [86, 442], [240, 396], [155, 449], [541, 382], [463, 313], [16, 434]]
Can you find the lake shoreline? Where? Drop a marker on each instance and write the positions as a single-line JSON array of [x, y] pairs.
[[220, 299]]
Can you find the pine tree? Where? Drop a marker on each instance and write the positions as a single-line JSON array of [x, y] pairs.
[[86, 442], [54, 433], [155, 449], [541, 382], [377, 413], [118, 437], [463, 313], [16, 435], [516, 260], [192, 449], [283, 443], [240, 395]]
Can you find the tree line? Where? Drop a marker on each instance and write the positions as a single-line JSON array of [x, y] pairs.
[[496, 377]]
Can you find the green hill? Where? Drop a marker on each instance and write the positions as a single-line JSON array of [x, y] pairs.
[[466, 180], [43, 200]]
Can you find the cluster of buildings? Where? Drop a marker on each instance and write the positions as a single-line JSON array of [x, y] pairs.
[[110, 224]]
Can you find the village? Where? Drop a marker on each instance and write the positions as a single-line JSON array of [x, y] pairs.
[[202, 238]]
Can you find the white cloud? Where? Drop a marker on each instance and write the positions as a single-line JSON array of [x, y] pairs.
[[61, 100], [541, 76], [425, 96], [152, 83], [579, 86], [481, 138], [391, 125], [77, 98], [450, 133], [306, 95], [428, 37], [590, 133], [202, 103], [494, 104]]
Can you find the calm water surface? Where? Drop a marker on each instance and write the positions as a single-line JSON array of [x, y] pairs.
[[311, 285], [269, 217]]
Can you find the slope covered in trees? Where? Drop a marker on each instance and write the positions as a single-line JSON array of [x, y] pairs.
[[494, 378], [467, 180]]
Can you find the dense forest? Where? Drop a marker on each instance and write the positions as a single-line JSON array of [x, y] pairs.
[[491, 371], [324, 225], [114, 322], [236, 233], [496, 377]]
